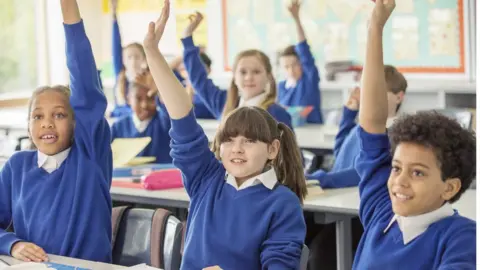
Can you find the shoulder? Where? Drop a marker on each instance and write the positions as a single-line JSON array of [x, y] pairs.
[[277, 109], [286, 198], [457, 228], [19, 159], [124, 120]]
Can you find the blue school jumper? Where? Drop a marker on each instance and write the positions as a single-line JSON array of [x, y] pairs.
[[201, 111], [214, 98], [307, 90], [67, 212], [346, 149], [157, 129], [449, 243], [254, 228]]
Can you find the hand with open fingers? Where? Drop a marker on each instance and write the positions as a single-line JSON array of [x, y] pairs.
[[294, 8], [353, 102], [382, 11], [195, 20], [156, 29], [28, 252]]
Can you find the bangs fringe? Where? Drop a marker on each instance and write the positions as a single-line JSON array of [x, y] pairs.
[[246, 122]]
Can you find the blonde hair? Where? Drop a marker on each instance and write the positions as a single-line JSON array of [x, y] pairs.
[[257, 124], [233, 97], [122, 76]]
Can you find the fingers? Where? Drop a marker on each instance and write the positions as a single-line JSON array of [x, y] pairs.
[[30, 253]]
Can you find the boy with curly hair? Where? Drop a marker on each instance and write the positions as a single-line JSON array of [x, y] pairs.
[[410, 177]]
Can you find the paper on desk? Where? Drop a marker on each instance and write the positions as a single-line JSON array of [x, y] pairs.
[[142, 266], [28, 266], [125, 150]]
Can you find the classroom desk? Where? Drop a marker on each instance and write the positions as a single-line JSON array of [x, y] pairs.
[[337, 206], [70, 262]]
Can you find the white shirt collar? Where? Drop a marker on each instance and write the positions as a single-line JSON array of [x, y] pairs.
[[254, 101], [52, 163], [290, 83], [267, 178], [140, 125], [412, 227]]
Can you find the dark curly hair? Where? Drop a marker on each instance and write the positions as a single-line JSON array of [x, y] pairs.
[[454, 146]]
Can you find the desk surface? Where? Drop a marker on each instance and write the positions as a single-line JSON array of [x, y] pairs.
[[339, 201], [70, 262]]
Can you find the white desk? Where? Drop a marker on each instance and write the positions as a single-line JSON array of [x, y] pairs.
[[337, 206], [70, 262]]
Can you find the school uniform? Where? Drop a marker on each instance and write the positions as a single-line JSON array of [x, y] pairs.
[[156, 128], [305, 91], [213, 97], [62, 202], [441, 239], [258, 225]]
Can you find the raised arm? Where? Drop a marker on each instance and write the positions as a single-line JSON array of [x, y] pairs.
[[347, 123], [190, 150], [116, 42], [92, 132], [373, 164], [303, 50], [213, 97], [373, 98]]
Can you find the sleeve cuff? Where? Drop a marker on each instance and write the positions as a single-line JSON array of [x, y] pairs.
[[74, 31], [188, 42], [185, 125], [350, 114], [370, 141], [8, 240], [301, 47]]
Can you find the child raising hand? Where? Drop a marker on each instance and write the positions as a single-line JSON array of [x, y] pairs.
[[248, 189]]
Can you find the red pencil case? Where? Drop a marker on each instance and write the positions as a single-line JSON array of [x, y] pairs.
[[163, 179]]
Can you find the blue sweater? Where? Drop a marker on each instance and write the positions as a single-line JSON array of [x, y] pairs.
[[157, 129], [346, 149], [307, 90], [447, 244], [67, 212], [209, 93], [254, 228]]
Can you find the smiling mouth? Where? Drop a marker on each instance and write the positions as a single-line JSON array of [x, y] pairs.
[[238, 161], [49, 138], [401, 197]]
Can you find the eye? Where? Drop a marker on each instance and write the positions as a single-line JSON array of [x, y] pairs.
[[395, 169], [60, 115], [418, 173], [36, 117], [249, 141]]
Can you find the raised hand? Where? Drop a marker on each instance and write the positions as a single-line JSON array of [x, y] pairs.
[[353, 102], [28, 252], [294, 9], [195, 20], [114, 4], [382, 11], [156, 29]]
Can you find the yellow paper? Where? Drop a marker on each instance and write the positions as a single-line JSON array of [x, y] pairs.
[[140, 161], [443, 32], [190, 4], [126, 149], [133, 5], [201, 34], [405, 37]]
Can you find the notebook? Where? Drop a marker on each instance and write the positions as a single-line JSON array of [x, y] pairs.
[[125, 151]]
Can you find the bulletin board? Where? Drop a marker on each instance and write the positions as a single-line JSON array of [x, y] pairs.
[[422, 36]]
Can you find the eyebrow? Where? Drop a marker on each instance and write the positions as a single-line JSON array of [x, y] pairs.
[[413, 164], [56, 107]]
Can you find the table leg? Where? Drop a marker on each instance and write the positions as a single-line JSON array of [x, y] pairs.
[[344, 244]]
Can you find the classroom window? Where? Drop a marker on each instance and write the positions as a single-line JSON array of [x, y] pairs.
[[18, 47]]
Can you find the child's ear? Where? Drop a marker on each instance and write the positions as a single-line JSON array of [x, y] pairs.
[[273, 149], [452, 186], [400, 97]]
